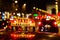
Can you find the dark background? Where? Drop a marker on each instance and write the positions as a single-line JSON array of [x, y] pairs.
[[7, 4]]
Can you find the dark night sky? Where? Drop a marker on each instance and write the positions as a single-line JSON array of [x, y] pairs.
[[37, 3], [30, 4]]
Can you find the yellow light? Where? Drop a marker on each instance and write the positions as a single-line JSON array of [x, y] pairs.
[[0, 19], [56, 9], [16, 1], [14, 16], [16, 9], [56, 2], [0, 12], [30, 14], [24, 4], [5, 16], [34, 7], [39, 9], [4, 27], [13, 13], [43, 11], [56, 5], [7, 22], [58, 24], [50, 35]]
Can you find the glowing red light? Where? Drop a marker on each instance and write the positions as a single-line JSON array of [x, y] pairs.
[[58, 13], [31, 21], [3, 23], [9, 27], [37, 17], [14, 20], [55, 23], [39, 23], [30, 36], [14, 35]]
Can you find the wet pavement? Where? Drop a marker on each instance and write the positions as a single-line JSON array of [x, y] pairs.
[[38, 36]]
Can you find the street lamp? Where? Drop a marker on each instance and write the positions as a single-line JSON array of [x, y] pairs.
[[16, 1], [24, 6], [56, 5], [34, 7]]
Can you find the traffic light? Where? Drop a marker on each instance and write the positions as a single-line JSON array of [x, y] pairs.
[[35, 14]]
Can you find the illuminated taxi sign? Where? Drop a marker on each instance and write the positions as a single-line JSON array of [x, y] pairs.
[[24, 24], [23, 20], [52, 18]]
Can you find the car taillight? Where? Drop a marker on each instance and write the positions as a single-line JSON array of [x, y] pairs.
[[14, 35], [31, 21], [9, 27], [30, 36], [55, 23], [39, 23]]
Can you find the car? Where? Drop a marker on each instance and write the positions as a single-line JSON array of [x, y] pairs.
[[3, 24], [3, 27], [48, 26]]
